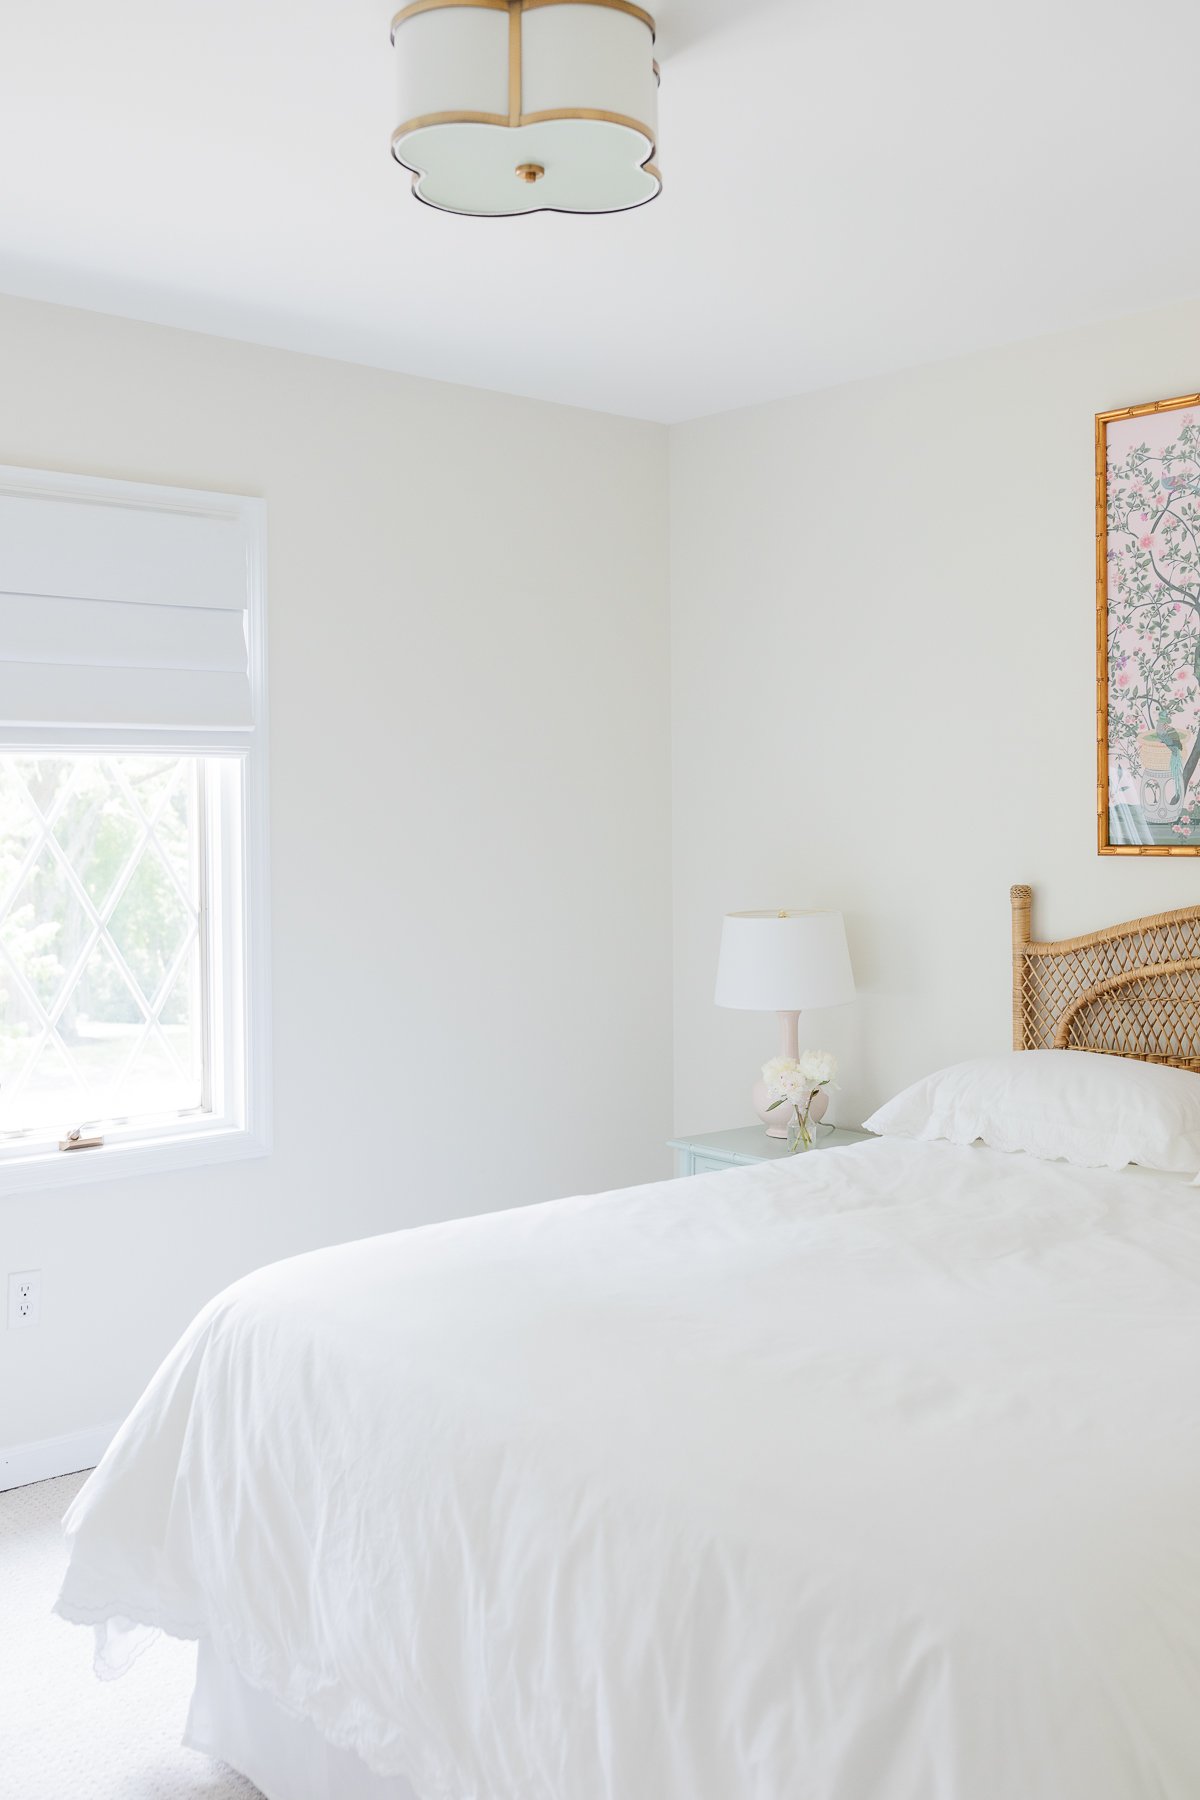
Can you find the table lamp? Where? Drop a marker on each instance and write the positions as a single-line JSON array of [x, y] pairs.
[[784, 962]]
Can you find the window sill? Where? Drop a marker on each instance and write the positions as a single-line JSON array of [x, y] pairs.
[[45, 1168]]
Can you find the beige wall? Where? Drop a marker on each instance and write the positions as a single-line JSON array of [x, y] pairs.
[[469, 787], [884, 693], [881, 676]]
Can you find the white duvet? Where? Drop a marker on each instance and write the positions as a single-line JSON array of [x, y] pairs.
[[869, 1476]]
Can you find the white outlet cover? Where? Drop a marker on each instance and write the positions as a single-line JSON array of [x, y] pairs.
[[24, 1299]]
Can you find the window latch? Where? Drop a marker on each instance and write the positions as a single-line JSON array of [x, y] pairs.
[[75, 1140]]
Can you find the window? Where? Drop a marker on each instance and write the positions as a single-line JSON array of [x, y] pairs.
[[132, 830], [112, 930]]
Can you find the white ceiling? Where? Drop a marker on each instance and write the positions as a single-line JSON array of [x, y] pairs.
[[851, 186]]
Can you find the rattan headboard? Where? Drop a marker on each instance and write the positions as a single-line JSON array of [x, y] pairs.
[[1132, 990]]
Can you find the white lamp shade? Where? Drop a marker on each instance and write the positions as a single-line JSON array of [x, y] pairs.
[[784, 962], [565, 90]]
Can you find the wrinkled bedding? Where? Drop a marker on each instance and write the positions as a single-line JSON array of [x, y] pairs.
[[871, 1475]]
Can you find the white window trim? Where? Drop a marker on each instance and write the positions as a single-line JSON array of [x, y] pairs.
[[245, 872]]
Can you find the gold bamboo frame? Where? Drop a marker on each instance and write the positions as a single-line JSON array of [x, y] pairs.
[[1103, 421], [1130, 990], [516, 116]]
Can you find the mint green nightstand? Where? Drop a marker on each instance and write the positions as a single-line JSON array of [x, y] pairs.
[[749, 1144]]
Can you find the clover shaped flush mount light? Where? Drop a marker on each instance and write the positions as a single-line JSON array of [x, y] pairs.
[[520, 106]]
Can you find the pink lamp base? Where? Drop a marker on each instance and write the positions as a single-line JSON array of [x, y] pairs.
[[789, 1046], [771, 1120]]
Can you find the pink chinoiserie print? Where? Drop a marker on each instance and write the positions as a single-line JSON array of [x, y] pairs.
[[1153, 629]]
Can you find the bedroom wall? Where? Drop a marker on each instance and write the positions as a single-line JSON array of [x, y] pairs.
[[470, 794], [884, 694]]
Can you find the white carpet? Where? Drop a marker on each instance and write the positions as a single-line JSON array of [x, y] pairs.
[[63, 1734]]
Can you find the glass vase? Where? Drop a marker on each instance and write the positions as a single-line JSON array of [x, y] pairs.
[[802, 1131]]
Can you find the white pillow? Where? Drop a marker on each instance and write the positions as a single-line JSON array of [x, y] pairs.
[[1100, 1111]]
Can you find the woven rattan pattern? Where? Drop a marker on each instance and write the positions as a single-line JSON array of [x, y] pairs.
[[1131, 990]]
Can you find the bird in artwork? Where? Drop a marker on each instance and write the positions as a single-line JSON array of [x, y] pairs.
[[1167, 734]]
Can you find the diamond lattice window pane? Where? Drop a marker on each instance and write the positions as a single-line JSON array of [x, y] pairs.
[[173, 827], [49, 1094], [152, 1083], [46, 928], [151, 922], [100, 976], [98, 830], [18, 829], [181, 1020], [44, 778], [20, 1034], [151, 778], [100, 1028]]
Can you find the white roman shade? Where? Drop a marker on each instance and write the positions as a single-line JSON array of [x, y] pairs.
[[128, 609]]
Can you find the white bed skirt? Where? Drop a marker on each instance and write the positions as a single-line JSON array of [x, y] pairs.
[[286, 1758]]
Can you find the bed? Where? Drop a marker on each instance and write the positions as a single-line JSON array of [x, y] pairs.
[[869, 1476]]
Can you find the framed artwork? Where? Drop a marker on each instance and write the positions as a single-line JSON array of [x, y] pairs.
[[1148, 628]]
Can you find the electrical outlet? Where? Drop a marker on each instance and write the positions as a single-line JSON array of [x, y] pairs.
[[24, 1299]]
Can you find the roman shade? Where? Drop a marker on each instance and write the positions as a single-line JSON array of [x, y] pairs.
[[125, 609]]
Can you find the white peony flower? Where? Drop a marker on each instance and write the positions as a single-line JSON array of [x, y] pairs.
[[782, 1077], [817, 1067]]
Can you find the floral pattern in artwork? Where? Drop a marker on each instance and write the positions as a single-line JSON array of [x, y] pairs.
[[1153, 629]]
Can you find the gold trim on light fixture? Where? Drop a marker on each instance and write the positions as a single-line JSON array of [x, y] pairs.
[[421, 6], [625, 6], [539, 118], [445, 118], [590, 112], [515, 74], [516, 118]]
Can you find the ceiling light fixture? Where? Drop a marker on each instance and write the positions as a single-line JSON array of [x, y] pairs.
[[517, 106]]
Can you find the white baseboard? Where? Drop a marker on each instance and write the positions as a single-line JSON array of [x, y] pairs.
[[41, 1461]]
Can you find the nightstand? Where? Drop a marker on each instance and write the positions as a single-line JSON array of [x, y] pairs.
[[749, 1144]]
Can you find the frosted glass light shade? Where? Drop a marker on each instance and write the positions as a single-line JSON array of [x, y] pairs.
[[784, 962], [514, 106]]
